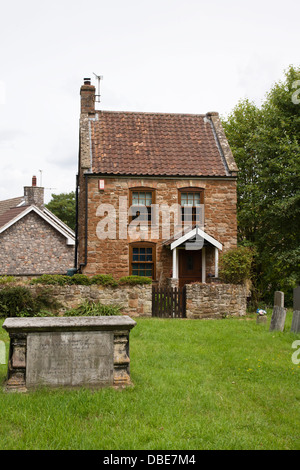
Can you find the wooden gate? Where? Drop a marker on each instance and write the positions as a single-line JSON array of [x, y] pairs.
[[169, 302]]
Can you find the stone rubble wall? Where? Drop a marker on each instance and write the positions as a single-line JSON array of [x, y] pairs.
[[134, 300], [215, 300], [202, 300]]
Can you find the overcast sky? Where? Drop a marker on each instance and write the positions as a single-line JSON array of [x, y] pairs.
[[179, 56]]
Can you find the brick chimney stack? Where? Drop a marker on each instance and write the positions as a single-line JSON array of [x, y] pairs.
[[87, 93], [34, 195]]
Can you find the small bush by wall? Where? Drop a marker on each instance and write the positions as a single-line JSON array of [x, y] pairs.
[[19, 301], [90, 308], [235, 265], [7, 279]]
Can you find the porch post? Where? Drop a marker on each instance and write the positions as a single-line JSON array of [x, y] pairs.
[[175, 264], [216, 262], [203, 266]]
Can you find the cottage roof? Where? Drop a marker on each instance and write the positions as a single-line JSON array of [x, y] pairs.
[[9, 203], [14, 214], [158, 144], [10, 215]]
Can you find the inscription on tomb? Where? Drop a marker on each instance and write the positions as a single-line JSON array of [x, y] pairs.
[[69, 359]]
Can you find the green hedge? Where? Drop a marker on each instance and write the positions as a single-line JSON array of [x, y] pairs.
[[104, 280], [51, 279], [133, 280], [82, 279]]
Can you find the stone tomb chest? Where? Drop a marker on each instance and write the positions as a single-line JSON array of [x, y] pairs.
[[68, 351]]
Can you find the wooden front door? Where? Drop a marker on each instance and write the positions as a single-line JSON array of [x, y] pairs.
[[190, 266]]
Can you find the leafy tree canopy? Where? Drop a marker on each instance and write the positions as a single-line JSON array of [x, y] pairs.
[[266, 144], [64, 207]]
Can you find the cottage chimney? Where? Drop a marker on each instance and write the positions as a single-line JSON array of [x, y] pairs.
[[87, 93], [34, 195]]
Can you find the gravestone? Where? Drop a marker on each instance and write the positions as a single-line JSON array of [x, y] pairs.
[[68, 352], [295, 328], [279, 312], [261, 319]]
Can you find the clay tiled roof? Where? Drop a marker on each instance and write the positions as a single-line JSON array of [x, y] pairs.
[[9, 203], [131, 143], [11, 214]]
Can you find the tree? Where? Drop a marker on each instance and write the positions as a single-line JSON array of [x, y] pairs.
[[241, 128], [266, 144], [64, 207]]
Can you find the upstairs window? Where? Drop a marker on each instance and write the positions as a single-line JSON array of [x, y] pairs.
[[191, 201], [140, 203]]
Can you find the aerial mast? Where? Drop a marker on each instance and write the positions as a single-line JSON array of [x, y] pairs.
[[99, 78]]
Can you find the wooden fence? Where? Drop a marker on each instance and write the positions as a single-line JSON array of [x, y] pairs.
[[168, 302]]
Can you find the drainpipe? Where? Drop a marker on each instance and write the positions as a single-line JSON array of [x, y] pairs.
[[82, 265], [76, 224]]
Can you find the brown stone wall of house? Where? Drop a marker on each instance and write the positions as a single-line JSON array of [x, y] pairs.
[[111, 255], [32, 246]]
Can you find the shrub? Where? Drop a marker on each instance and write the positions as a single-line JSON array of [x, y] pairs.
[[133, 280], [16, 301], [20, 302], [235, 265], [90, 308], [104, 280], [52, 279], [79, 279], [45, 302], [7, 279]]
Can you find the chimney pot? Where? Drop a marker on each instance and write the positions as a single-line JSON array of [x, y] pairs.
[[87, 93], [34, 195]]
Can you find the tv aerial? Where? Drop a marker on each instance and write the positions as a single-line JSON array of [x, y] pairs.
[[99, 78]]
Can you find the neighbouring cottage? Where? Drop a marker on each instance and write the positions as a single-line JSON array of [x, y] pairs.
[[156, 194], [33, 240]]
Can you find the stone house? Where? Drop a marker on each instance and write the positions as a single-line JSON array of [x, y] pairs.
[[33, 240], [156, 194]]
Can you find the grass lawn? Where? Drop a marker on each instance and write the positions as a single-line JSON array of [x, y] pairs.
[[214, 384]]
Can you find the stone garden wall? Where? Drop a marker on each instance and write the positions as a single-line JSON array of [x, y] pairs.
[[202, 300], [134, 300], [215, 300]]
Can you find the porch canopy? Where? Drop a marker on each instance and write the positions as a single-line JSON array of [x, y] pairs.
[[194, 239]]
